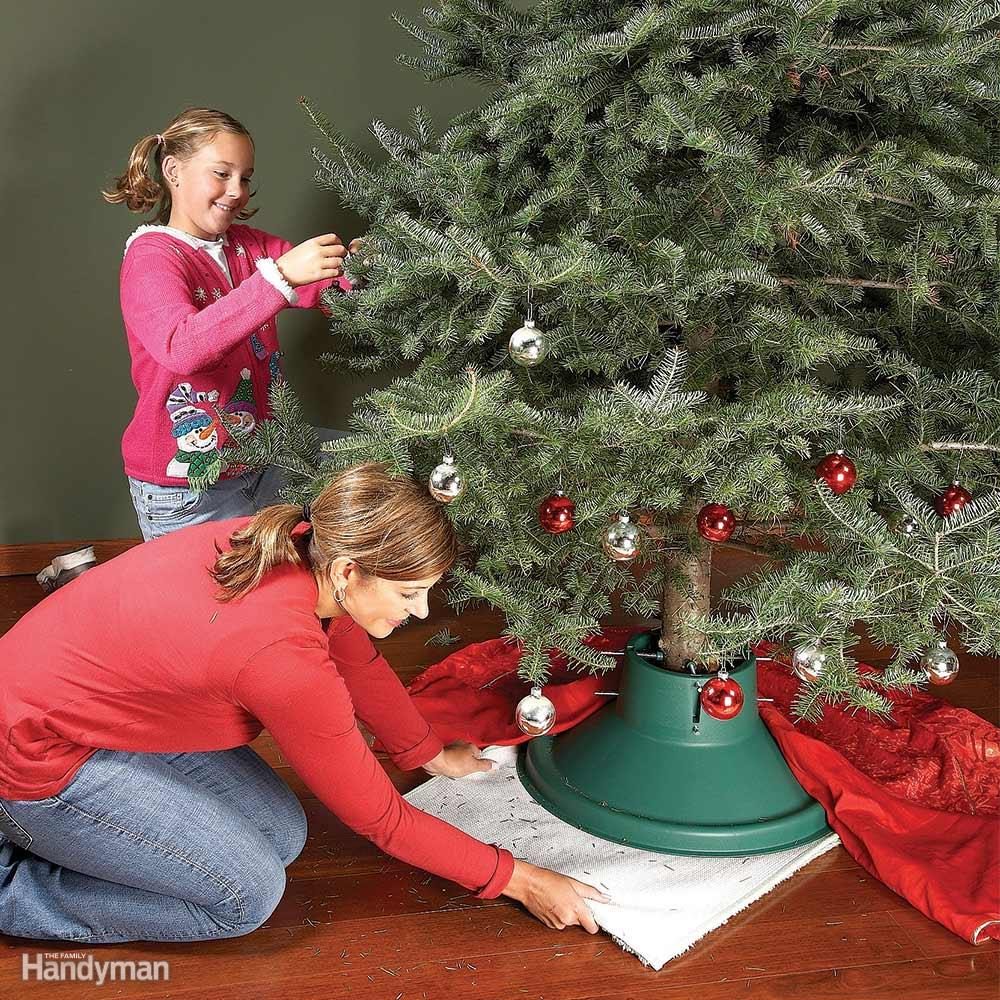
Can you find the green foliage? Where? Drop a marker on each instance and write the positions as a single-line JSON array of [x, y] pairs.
[[443, 638], [750, 232], [286, 440]]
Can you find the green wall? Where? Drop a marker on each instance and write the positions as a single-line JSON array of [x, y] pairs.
[[80, 82]]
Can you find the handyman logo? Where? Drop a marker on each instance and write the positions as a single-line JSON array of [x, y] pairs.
[[62, 966]]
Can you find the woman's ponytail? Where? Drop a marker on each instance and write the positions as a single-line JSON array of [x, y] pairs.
[[136, 188], [388, 526], [265, 543]]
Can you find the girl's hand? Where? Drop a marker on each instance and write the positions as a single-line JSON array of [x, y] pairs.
[[557, 900], [457, 760], [316, 259]]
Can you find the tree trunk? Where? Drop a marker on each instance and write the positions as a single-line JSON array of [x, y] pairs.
[[687, 596]]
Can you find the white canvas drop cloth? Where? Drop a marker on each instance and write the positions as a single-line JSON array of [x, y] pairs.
[[661, 903]]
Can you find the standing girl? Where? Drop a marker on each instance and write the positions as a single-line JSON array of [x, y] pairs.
[[200, 296]]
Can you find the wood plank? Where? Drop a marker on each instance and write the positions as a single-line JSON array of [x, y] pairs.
[[20, 595], [486, 953], [332, 886], [333, 849], [832, 888], [393, 889], [947, 979], [830, 896], [936, 941], [31, 557], [270, 752]]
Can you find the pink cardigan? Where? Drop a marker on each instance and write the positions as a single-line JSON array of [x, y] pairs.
[[198, 344]]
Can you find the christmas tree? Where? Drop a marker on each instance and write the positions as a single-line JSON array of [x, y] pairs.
[[683, 256]]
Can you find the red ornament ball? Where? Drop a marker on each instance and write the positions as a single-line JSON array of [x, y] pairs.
[[722, 698], [952, 500], [556, 513], [716, 522], [838, 472]]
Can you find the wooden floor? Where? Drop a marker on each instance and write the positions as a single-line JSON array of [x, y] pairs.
[[354, 922]]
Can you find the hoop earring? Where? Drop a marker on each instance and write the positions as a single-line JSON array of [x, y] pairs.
[[339, 594]]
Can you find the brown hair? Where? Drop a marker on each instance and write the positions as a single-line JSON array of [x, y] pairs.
[[141, 190], [388, 526]]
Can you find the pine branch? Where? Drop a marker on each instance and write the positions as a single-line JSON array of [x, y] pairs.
[[848, 282], [959, 446]]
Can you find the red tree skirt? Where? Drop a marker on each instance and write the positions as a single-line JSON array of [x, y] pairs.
[[915, 799]]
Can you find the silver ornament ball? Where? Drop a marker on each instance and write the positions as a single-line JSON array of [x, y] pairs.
[[908, 526], [622, 540], [535, 714], [528, 345], [809, 662], [940, 663], [446, 483]]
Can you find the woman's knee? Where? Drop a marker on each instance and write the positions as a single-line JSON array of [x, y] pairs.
[[295, 831], [252, 899], [284, 822], [271, 804]]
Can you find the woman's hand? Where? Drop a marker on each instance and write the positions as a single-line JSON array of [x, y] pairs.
[[457, 760], [316, 259], [557, 900]]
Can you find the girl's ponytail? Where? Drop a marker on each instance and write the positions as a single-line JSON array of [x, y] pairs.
[[265, 543], [142, 190], [136, 188]]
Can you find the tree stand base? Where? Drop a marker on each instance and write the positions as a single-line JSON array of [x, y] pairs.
[[654, 771]]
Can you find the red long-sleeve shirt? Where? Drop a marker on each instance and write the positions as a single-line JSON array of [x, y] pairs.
[[138, 654]]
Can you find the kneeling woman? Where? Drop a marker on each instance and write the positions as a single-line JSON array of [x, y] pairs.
[[131, 807]]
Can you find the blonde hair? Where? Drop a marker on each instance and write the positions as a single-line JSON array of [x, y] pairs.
[[388, 526], [142, 190]]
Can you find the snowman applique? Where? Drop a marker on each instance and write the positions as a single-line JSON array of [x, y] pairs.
[[197, 459]]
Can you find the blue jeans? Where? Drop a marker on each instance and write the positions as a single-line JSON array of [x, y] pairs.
[[150, 847], [162, 509]]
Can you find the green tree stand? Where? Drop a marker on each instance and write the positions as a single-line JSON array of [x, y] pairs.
[[654, 771]]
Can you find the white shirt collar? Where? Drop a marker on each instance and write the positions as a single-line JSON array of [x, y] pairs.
[[193, 241]]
